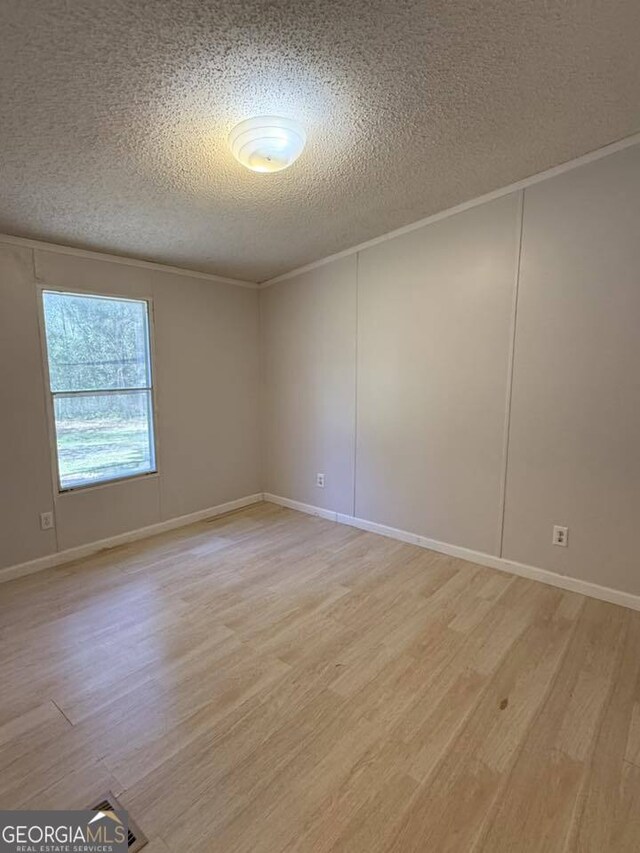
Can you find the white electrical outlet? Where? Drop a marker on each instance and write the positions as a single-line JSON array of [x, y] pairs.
[[46, 521], [560, 536], [320, 481]]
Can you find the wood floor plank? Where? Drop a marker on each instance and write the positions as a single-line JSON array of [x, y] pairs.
[[611, 794], [473, 772], [270, 681], [357, 813], [542, 795], [76, 790]]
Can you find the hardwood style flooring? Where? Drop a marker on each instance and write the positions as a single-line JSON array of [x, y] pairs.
[[269, 681]]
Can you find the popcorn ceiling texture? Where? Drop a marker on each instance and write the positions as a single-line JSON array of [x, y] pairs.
[[115, 116]]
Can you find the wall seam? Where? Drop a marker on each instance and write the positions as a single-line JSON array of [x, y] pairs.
[[510, 374], [355, 387]]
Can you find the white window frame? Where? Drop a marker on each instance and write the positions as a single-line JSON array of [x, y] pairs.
[[43, 288]]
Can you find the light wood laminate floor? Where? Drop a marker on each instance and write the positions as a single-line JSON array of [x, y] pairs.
[[269, 681]]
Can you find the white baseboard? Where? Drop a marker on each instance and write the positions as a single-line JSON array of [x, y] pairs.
[[593, 590], [329, 514], [60, 557]]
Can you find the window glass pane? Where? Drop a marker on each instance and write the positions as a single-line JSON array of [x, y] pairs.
[[103, 437], [96, 343]]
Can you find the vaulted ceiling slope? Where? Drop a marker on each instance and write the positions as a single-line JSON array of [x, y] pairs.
[[115, 116]]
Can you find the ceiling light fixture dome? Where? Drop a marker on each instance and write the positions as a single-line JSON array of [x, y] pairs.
[[267, 143]]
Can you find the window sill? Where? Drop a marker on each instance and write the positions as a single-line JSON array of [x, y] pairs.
[[91, 487]]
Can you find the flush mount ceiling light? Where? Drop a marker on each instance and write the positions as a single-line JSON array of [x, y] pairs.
[[267, 143]]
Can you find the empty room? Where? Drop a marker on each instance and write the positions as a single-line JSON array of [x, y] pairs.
[[320, 426]]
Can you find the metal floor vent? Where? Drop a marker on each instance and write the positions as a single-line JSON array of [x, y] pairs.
[[109, 803]]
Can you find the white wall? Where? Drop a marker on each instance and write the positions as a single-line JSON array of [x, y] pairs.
[[434, 322], [25, 482], [309, 370], [434, 334], [206, 378], [574, 452]]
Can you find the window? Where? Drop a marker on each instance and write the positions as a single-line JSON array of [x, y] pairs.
[[101, 389]]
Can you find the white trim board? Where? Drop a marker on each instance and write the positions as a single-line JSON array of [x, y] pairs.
[[58, 558], [592, 590], [613, 148], [43, 246]]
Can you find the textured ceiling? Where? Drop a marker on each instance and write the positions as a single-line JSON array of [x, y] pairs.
[[115, 115]]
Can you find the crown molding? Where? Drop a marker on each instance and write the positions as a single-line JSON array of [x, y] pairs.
[[612, 148], [132, 262]]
